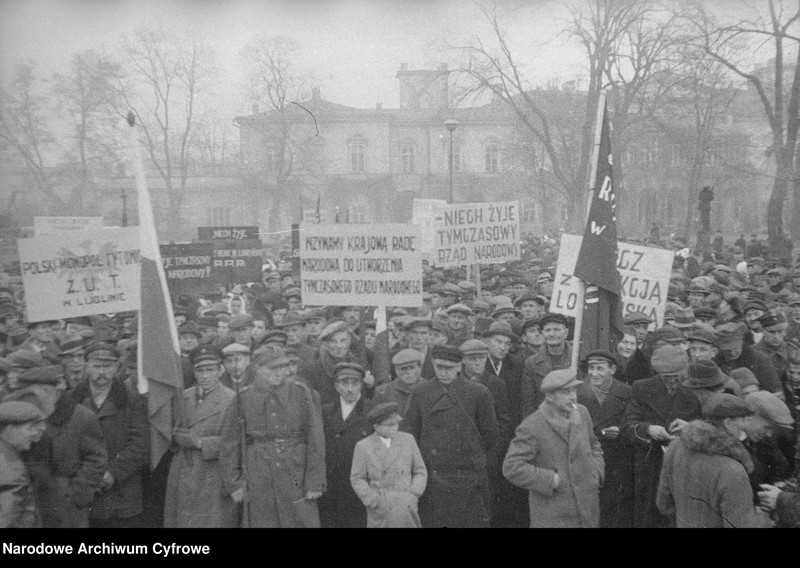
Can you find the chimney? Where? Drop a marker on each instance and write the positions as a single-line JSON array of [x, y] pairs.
[[315, 94], [255, 109], [378, 106]]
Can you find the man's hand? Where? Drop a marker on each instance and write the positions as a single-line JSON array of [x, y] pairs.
[[313, 495], [368, 379], [238, 495], [612, 432], [768, 496], [657, 432], [677, 425], [555, 481]]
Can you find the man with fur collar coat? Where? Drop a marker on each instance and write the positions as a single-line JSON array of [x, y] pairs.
[[704, 478]]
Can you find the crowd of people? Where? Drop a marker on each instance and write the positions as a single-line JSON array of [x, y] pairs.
[[465, 412]]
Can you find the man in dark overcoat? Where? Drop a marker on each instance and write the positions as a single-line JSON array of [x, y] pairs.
[[606, 399], [345, 422], [454, 423], [658, 410]]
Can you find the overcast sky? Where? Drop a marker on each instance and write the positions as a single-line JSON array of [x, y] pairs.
[[354, 47]]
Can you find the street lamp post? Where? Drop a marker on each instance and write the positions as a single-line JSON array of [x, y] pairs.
[[451, 125]]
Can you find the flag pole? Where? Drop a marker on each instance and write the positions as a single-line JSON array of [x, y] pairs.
[[598, 130]]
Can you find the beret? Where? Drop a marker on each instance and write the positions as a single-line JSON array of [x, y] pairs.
[[704, 375], [446, 353], [501, 328], [190, 327], [49, 375], [769, 406], [292, 293], [204, 354], [459, 308], [598, 354], [240, 321], [722, 405], [669, 359], [405, 356], [418, 322], [381, 412], [17, 412], [637, 317], [269, 356], [554, 318], [472, 346], [744, 377], [560, 379], [25, 359], [704, 333], [333, 327], [102, 351], [345, 370], [291, 319]]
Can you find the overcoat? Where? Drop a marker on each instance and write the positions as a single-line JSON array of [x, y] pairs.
[[319, 373], [616, 495], [547, 443], [536, 368], [123, 420], [456, 429], [395, 391], [17, 507], [194, 496], [340, 506], [651, 404], [285, 453], [389, 481]]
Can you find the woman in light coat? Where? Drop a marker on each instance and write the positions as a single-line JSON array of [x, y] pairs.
[[388, 473]]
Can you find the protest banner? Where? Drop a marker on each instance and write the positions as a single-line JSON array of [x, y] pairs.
[[236, 261], [46, 226], [227, 233], [360, 265], [477, 233], [80, 273], [188, 267], [644, 274], [427, 213]]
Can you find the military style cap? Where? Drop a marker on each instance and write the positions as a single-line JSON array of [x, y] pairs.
[[773, 322], [704, 375], [459, 308], [102, 351], [598, 355], [637, 317], [72, 344], [19, 412], [381, 412], [203, 355], [406, 356], [418, 322], [190, 327], [345, 370], [560, 379], [446, 354], [269, 356], [49, 375], [769, 406], [505, 309], [722, 405], [333, 327], [501, 328], [554, 318], [25, 359], [473, 346], [291, 319], [240, 321]]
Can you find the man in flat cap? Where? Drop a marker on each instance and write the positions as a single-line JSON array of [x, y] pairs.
[[72, 354], [556, 456], [41, 339], [532, 306], [122, 413], [606, 399], [773, 344], [345, 422], [273, 448], [658, 409], [454, 423], [457, 320], [555, 354], [388, 473], [236, 360], [704, 477], [418, 334], [21, 424], [194, 495], [735, 354], [407, 365]]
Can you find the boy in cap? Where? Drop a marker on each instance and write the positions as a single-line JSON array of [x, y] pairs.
[[194, 495], [273, 448], [606, 399], [345, 424], [556, 456], [704, 478], [658, 409], [21, 424], [388, 473], [453, 421]]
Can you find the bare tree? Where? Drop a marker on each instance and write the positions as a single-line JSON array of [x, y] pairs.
[[164, 81], [778, 89]]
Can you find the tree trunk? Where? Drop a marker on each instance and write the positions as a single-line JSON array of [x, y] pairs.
[[780, 188]]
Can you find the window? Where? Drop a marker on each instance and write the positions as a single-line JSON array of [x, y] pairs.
[[527, 213], [218, 216], [492, 154], [271, 159], [456, 157], [407, 158], [357, 148], [358, 214]]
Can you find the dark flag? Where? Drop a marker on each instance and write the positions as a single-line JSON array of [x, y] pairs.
[[597, 258]]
